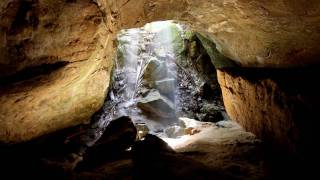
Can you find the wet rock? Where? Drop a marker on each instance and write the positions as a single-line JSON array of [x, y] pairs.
[[171, 35], [166, 86], [143, 91], [215, 116], [225, 124], [207, 108], [193, 51], [156, 104], [155, 70], [174, 131], [210, 113]]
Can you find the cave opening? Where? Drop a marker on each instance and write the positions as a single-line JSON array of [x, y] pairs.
[[164, 80], [61, 117], [163, 109]]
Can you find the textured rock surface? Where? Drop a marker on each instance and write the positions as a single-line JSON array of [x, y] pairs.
[[37, 32], [279, 106], [51, 102], [214, 153], [156, 104], [45, 32], [276, 33]]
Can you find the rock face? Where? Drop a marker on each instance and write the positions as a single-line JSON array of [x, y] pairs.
[[33, 33], [275, 33], [155, 70], [37, 33], [65, 98], [279, 107], [156, 104]]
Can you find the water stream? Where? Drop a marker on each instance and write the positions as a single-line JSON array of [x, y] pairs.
[[154, 82]]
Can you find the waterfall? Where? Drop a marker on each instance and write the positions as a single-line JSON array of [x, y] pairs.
[[154, 82]]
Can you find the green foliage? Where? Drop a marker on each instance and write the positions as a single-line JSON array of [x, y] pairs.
[[217, 59]]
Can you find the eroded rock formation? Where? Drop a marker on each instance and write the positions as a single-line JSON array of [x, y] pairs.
[[34, 33], [279, 106], [273, 34]]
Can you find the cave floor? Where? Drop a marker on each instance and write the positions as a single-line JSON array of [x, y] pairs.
[[220, 150]]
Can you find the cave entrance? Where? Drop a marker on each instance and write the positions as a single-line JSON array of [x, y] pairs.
[[165, 81]]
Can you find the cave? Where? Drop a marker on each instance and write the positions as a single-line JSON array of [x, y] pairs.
[[159, 89]]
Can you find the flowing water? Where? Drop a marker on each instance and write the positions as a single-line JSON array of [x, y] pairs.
[[152, 82]]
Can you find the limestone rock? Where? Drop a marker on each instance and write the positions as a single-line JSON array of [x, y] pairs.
[[155, 70], [166, 86], [155, 104]]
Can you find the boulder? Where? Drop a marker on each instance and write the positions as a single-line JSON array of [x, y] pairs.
[[210, 113], [166, 86], [155, 104], [174, 131], [118, 136], [155, 70]]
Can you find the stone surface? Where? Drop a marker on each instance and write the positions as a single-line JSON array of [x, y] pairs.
[[211, 113], [64, 98], [37, 32], [156, 104], [279, 106], [166, 86], [214, 153], [37, 101], [276, 33], [174, 131], [119, 135], [155, 70]]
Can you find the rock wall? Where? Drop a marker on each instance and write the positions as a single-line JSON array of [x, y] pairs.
[[278, 105], [38, 33], [275, 33]]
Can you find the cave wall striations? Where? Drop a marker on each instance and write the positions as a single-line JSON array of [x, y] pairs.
[[46, 32], [265, 34], [279, 106]]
